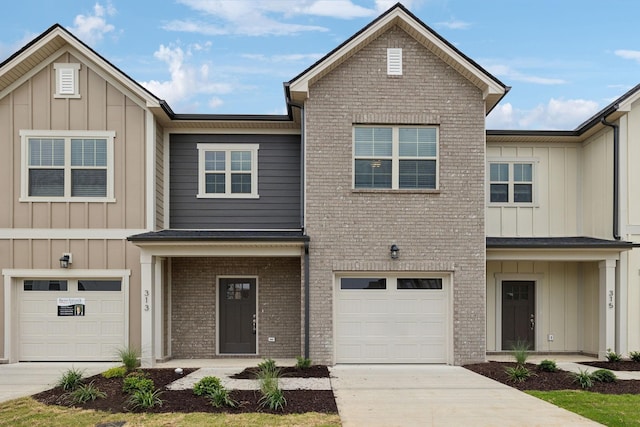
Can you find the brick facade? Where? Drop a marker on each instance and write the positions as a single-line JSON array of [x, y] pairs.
[[435, 230], [193, 304]]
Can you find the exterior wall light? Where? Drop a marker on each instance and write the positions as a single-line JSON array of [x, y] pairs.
[[65, 260], [394, 251]]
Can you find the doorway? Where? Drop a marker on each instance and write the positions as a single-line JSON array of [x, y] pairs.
[[518, 314], [237, 315]]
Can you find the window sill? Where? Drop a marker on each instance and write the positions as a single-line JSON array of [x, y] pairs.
[[227, 196], [68, 199], [513, 205], [392, 191]]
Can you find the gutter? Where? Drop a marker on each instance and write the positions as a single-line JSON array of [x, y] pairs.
[[616, 173]]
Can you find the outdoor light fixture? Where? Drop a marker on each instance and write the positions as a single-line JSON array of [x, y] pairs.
[[65, 260], [394, 251]]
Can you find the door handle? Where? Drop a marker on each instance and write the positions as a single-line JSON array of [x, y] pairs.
[[254, 324], [532, 322]]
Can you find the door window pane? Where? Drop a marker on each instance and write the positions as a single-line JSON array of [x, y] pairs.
[[433, 283], [45, 285], [100, 285], [362, 283], [238, 290]]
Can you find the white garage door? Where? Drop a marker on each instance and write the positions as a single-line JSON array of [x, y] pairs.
[[69, 320], [392, 319]]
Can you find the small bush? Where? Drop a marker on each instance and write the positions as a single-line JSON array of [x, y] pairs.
[[604, 376], [612, 356], [583, 378], [548, 366], [129, 357], [303, 362], [144, 399], [220, 398], [85, 393], [115, 372], [268, 366], [137, 381], [273, 399], [635, 356], [520, 351], [71, 379], [518, 373], [207, 386]]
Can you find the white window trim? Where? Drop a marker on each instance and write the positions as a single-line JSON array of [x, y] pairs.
[[510, 161], [395, 158], [63, 67], [67, 135], [204, 147]]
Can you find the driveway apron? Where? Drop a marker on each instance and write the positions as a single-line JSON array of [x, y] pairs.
[[437, 395]]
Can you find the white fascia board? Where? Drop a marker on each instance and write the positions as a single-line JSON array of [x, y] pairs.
[[553, 254], [222, 249], [65, 273]]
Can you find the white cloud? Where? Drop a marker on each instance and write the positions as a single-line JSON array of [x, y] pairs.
[[557, 114], [502, 70], [342, 9], [91, 28], [628, 54], [187, 81], [454, 24]]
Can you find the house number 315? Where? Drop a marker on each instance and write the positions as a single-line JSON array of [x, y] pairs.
[[146, 300]]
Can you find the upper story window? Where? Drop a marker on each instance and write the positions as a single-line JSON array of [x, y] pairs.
[[67, 80], [67, 165], [228, 170], [396, 157], [511, 182]]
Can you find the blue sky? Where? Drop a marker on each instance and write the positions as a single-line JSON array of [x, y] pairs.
[[565, 59]]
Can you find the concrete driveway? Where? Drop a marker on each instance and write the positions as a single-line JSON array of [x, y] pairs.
[[24, 379], [435, 395]]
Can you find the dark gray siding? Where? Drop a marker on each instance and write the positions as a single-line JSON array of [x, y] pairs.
[[278, 185]]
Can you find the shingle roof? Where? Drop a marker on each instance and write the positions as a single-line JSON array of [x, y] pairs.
[[556, 243], [220, 235]]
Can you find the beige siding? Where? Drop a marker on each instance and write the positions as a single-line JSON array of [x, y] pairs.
[[566, 297], [597, 186], [101, 107], [633, 297], [631, 134], [556, 192]]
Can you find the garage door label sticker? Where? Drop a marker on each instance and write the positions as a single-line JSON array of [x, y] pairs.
[[71, 306]]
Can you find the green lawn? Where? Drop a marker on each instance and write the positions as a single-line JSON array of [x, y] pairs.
[[28, 412], [608, 409]]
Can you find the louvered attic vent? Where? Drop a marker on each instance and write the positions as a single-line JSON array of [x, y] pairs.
[[394, 61], [67, 80]]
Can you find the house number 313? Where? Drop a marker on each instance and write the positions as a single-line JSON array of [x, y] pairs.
[[146, 300]]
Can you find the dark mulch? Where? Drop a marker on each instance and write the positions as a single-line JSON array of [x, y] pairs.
[[623, 365], [298, 401], [315, 371], [546, 381]]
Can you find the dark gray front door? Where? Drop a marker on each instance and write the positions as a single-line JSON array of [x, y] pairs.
[[237, 305], [518, 314]]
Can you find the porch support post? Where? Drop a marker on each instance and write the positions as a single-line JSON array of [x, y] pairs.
[[157, 307], [147, 345], [9, 333], [607, 307]]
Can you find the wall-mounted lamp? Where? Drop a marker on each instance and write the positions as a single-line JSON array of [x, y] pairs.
[[394, 251], [65, 260]]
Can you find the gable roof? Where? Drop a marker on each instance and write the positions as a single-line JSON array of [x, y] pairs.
[[492, 88]]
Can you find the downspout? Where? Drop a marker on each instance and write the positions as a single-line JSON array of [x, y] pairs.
[[302, 225], [616, 177]]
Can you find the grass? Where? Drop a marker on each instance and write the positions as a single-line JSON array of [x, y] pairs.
[[608, 409], [26, 412]]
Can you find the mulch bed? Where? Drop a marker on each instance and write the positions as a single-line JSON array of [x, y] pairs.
[[315, 371], [623, 365], [546, 381], [298, 401]]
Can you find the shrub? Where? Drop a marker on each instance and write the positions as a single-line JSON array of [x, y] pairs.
[[115, 372], [70, 379], [518, 373], [268, 367], [85, 393], [303, 362], [520, 351], [207, 386], [220, 397], [583, 378], [548, 366], [273, 399], [612, 356], [137, 381], [129, 357], [144, 399], [604, 376], [635, 356]]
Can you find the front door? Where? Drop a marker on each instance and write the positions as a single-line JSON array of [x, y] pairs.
[[518, 314], [237, 305]]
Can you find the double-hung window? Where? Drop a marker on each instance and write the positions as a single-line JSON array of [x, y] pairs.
[[511, 182], [67, 165], [398, 157], [228, 170]]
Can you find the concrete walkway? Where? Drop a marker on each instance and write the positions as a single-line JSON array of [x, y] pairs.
[[435, 395]]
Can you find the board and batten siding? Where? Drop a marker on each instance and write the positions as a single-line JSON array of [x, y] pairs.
[[278, 205], [101, 107], [556, 192]]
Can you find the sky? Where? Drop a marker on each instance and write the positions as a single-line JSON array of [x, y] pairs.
[[564, 59]]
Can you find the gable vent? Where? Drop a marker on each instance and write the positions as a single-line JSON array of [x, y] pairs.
[[67, 82], [394, 61]]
